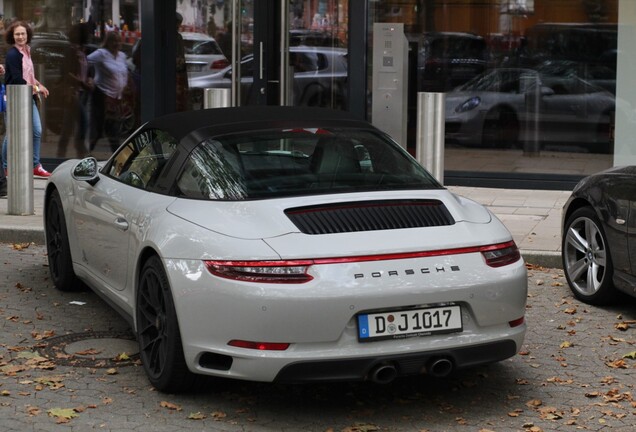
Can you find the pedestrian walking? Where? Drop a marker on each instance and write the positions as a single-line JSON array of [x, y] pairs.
[[19, 69], [111, 79], [77, 87]]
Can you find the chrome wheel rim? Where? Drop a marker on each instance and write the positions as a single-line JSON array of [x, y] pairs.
[[585, 255]]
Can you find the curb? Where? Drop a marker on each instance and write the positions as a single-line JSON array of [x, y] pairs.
[[22, 235], [543, 258]]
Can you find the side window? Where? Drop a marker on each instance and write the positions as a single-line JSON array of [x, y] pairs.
[[140, 162], [213, 171]]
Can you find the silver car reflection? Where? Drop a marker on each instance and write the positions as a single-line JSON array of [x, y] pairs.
[[505, 107], [319, 78]]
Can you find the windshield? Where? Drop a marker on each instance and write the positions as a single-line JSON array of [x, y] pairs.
[[280, 163]]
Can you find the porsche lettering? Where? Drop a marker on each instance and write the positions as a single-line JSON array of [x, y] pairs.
[[407, 272]]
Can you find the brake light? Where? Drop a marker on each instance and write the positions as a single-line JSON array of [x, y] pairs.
[[261, 346], [501, 254], [295, 271], [262, 271], [517, 322], [219, 64]]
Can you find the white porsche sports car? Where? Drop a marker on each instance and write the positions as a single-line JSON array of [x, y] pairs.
[[284, 244]]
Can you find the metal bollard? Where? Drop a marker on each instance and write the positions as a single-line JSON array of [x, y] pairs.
[[216, 98], [20, 149], [429, 148]]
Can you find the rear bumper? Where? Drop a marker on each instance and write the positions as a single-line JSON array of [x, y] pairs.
[[404, 364]]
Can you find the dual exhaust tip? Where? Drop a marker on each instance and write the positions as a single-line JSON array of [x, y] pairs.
[[385, 373]]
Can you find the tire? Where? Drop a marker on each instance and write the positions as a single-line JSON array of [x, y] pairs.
[[160, 345], [57, 247], [587, 261], [500, 129]]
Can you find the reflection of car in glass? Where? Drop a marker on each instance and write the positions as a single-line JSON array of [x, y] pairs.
[[598, 75], [448, 59], [309, 37], [319, 77], [202, 53], [589, 43], [285, 244], [500, 107], [599, 244]]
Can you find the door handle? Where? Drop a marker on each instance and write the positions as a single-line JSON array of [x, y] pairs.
[[121, 223]]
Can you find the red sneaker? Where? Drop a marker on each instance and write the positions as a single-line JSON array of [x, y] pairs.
[[38, 171]]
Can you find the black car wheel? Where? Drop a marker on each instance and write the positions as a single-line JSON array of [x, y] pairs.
[[586, 258], [501, 129], [160, 344], [57, 247]]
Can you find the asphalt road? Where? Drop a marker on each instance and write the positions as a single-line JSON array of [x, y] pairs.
[[572, 374]]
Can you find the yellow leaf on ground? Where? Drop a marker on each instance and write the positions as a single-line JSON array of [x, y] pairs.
[[63, 413]]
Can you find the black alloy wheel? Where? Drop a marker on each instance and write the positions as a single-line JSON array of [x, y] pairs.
[[586, 258], [57, 247], [158, 333]]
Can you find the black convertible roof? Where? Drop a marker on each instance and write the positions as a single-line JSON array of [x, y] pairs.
[[236, 119]]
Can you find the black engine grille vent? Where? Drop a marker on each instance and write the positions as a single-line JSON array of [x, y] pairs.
[[369, 216]]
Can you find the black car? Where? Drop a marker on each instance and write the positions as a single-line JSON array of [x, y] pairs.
[[449, 59], [599, 241]]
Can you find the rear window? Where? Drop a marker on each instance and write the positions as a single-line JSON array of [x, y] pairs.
[[280, 163]]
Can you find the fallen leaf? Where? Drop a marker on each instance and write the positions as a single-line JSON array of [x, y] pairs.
[[32, 411], [196, 416], [39, 336], [121, 357], [631, 355], [20, 246], [53, 382], [88, 352], [170, 406], [622, 326], [63, 415], [617, 364]]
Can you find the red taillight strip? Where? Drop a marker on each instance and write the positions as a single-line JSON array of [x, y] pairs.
[[362, 258], [422, 254], [261, 346]]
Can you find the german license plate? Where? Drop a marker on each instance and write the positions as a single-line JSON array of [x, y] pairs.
[[409, 323], [191, 67]]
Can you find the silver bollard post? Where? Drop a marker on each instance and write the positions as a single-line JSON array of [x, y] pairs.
[[429, 148], [216, 98], [20, 149]]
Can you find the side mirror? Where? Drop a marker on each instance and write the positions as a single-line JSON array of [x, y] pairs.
[[86, 170]]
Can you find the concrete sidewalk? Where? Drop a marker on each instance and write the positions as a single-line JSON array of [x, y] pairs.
[[533, 217]]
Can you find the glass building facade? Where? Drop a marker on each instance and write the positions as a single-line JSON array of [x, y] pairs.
[[537, 93]]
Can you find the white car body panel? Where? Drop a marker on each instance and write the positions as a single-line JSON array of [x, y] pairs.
[[113, 225]]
